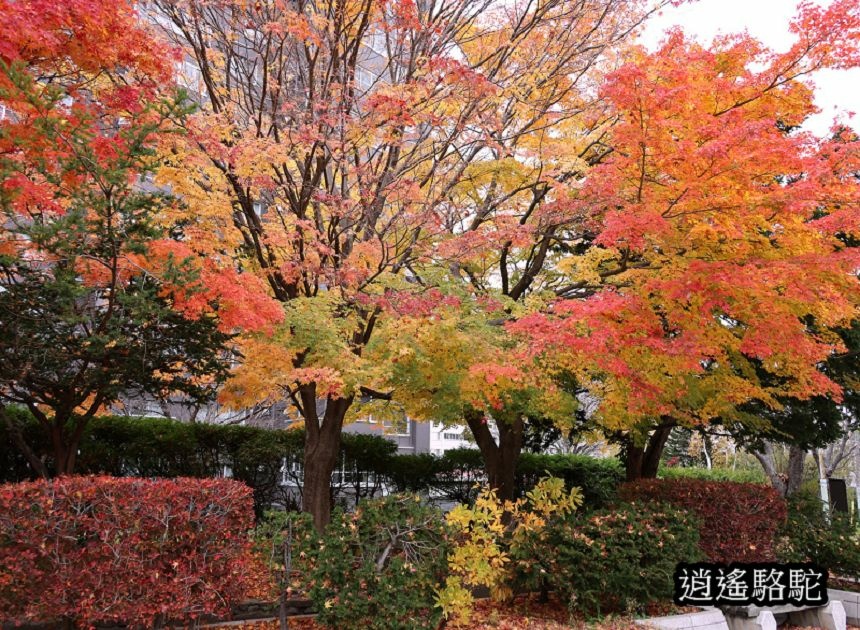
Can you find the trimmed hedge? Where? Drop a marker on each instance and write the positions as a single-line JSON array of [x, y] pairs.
[[121, 446], [598, 479], [739, 521], [154, 447], [453, 476], [712, 474], [105, 549]]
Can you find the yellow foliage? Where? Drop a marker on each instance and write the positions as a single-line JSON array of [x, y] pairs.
[[488, 533], [586, 267]]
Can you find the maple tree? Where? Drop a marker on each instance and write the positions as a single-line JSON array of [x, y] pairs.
[[95, 301], [333, 146], [457, 364], [724, 253], [510, 218]]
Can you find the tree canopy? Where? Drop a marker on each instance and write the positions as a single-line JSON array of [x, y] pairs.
[[96, 300]]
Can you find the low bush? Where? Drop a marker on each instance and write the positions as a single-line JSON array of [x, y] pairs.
[[739, 521], [808, 536], [379, 567], [103, 549], [494, 540], [609, 559]]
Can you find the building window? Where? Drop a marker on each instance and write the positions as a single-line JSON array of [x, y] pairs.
[[452, 436], [152, 409], [391, 427], [376, 43], [363, 79]]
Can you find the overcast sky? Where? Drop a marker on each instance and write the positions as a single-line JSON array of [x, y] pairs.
[[767, 20]]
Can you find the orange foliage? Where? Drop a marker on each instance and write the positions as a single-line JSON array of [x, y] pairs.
[[727, 238]]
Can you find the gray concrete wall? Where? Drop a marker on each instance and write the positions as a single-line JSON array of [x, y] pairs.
[[851, 603]]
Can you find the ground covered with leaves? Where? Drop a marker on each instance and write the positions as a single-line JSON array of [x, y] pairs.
[[525, 612]]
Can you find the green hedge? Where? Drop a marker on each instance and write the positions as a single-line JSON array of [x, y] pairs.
[[154, 447], [597, 478], [832, 543], [453, 476], [712, 474]]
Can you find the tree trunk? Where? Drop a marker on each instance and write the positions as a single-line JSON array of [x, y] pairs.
[[500, 460], [796, 457], [789, 483], [856, 453], [633, 458], [322, 450], [767, 460], [642, 462], [20, 443], [65, 451], [706, 446]]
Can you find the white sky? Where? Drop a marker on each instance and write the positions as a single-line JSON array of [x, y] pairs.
[[837, 92]]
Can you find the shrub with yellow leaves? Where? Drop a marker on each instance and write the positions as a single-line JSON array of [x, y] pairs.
[[491, 539]]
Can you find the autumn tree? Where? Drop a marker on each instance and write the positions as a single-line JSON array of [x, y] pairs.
[[455, 361], [95, 302], [506, 223], [724, 256], [333, 146], [511, 219]]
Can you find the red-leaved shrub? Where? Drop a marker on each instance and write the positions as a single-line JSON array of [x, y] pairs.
[[739, 520], [105, 549]]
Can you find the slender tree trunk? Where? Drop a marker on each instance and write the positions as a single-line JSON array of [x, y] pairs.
[[288, 568], [706, 445], [642, 462], [500, 459], [796, 457], [322, 449], [856, 454], [36, 464], [62, 453]]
